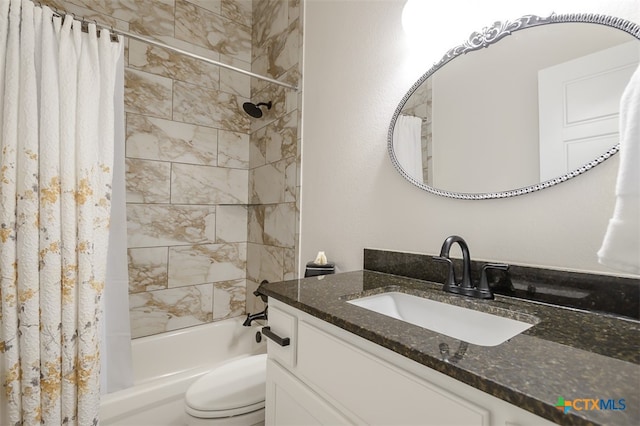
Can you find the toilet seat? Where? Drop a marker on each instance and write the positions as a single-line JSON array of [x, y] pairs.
[[219, 414], [232, 389]]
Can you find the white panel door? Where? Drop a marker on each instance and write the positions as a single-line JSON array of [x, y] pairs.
[[578, 107]]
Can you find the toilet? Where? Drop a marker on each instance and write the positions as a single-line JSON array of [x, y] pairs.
[[231, 394]]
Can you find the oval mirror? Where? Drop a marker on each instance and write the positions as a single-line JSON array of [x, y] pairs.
[[495, 120]]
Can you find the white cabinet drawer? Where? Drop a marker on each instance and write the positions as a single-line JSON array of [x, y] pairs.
[[282, 325], [374, 391]]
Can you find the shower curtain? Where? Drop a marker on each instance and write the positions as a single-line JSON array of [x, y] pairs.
[[115, 351], [407, 136], [56, 154]]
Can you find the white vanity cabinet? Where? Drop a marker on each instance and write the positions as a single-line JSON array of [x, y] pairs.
[[329, 376]]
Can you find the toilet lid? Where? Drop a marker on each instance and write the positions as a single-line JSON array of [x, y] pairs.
[[234, 388]]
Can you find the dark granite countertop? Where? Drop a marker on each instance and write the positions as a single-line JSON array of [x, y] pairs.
[[569, 353]]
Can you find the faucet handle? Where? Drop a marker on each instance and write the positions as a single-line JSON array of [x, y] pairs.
[[484, 282], [451, 274]]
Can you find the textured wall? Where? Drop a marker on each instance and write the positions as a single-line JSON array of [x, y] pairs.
[[192, 154]]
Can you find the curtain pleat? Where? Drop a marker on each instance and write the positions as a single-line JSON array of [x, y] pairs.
[[68, 57], [407, 135], [8, 212], [56, 161], [27, 224], [50, 218], [116, 365]]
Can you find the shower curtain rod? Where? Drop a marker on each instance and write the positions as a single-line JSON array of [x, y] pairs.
[[202, 58], [181, 51]]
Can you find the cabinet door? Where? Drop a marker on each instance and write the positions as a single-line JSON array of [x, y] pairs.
[[291, 402], [374, 391]]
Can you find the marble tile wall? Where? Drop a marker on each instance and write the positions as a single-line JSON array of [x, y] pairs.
[[274, 162], [212, 194]]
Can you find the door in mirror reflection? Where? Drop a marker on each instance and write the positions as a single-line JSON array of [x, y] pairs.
[[579, 104]]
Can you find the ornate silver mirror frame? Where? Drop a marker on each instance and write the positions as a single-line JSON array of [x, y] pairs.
[[479, 40]]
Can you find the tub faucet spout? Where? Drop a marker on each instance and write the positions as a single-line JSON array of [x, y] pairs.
[[258, 316]]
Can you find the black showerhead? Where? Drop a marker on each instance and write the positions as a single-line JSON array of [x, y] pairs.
[[254, 110]]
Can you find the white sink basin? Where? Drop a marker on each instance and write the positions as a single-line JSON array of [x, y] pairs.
[[468, 325]]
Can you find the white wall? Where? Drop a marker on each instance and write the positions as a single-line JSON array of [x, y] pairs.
[[357, 66]]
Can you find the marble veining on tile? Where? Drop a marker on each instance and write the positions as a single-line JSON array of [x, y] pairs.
[[232, 81], [147, 181], [231, 223], [255, 228], [279, 225], [265, 263], [142, 18], [146, 93], [158, 311], [267, 184], [290, 179], [239, 11], [229, 299], [152, 225], [163, 62], [284, 52], [290, 263], [280, 137], [270, 18], [189, 47], [259, 65], [206, 263], [208, 107], [200, 26], [214, 6], [292, 100], [157, 139], [294, 10], [154, 21], [233, 150], [258, 149], [291, 76], [208, 185], [147, 269], [281, 53]]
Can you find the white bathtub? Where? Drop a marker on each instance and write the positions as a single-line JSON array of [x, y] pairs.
[[165, 365]]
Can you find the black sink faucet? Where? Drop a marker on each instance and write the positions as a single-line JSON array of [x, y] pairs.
[[452, 281], [465, 285]]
